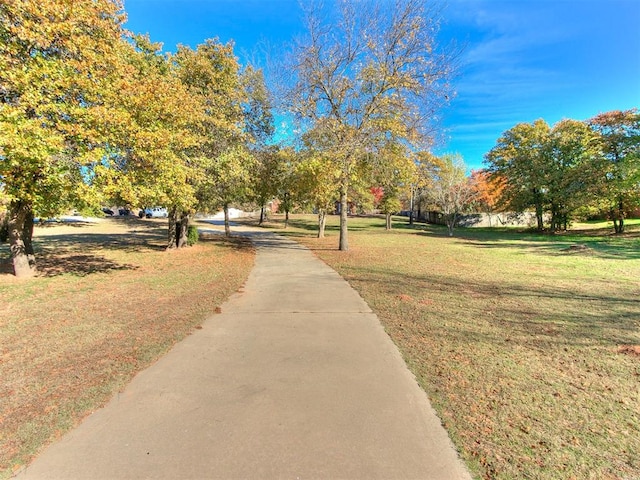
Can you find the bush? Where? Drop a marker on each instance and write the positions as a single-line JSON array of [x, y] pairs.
[[192, 235]]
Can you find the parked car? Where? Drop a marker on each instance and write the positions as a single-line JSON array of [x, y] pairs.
[[156, 212], [107, 211]]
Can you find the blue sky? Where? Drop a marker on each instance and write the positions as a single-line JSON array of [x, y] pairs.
[[523, 59]]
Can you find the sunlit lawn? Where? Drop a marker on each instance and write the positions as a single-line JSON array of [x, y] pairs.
[[108, 303], [523, 342]]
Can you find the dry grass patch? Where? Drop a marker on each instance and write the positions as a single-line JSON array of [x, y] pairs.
[[107, 303], [524, 347]]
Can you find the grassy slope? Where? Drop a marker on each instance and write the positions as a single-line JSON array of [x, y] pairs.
[[515, 337], [109, 302]]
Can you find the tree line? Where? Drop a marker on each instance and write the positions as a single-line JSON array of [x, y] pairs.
[[91, 113], [573, 169]]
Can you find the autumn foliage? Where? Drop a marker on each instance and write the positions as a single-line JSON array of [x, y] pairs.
[[570, 169], [90, 113]]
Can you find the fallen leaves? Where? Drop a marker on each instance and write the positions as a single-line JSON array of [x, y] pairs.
[[68, 341], [629, 349]]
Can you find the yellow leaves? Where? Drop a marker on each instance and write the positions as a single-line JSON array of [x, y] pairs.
[[142, 123]]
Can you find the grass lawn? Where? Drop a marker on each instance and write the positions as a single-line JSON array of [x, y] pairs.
[[528, 345], [108, 302]]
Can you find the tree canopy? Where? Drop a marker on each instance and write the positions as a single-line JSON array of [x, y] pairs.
[[562, 170], [57, 64], [371, 76], [90, 113]]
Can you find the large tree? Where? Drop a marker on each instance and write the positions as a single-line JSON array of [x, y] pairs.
[[271, 166], [212, 74], [153, 133], [227, 181], [619, 179], [267, 177], [57, 60], [424, 174], [369, 75], [570, 172], [520, 158], [392, 170]]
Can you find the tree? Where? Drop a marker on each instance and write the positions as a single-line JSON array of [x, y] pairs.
[[267, 177], [371, 76], [314, 179], [392, 171], [226, 182], [423, 175], [570, 171], [257, 108], [452, 192], [390, 204], [487, 189], [520, 158], [619, 179], [153, 133], [57, 60], [224, 163]]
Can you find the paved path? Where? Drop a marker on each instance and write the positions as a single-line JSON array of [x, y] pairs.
[[295, 379]]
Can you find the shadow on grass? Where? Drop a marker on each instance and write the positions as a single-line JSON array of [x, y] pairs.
[[333, 223], [598, 243], [79, 265], [537, 315], [235, 242], [622, 250], [79, 253]]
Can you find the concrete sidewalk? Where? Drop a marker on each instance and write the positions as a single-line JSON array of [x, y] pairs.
[[295, 379]]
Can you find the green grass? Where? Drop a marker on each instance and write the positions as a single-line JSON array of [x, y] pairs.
[[517, 338]]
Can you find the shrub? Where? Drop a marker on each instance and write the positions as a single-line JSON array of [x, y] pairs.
[[192, 235]]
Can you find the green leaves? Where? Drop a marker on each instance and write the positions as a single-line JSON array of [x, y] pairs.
[[569, 167], [91, 113]]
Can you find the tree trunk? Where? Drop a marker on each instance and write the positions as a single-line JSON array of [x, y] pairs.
[[178, 229], [615, 225], [19, 246], [261, 215], [287, 206], [322, 221], [539, 216], [227, 227], [537, 200], [344, 241], [172, 232], [620, 217], [388, 221], [4, 229], [555, 218], [182, 231], [28, 238], [451, 223], [411, 207]]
